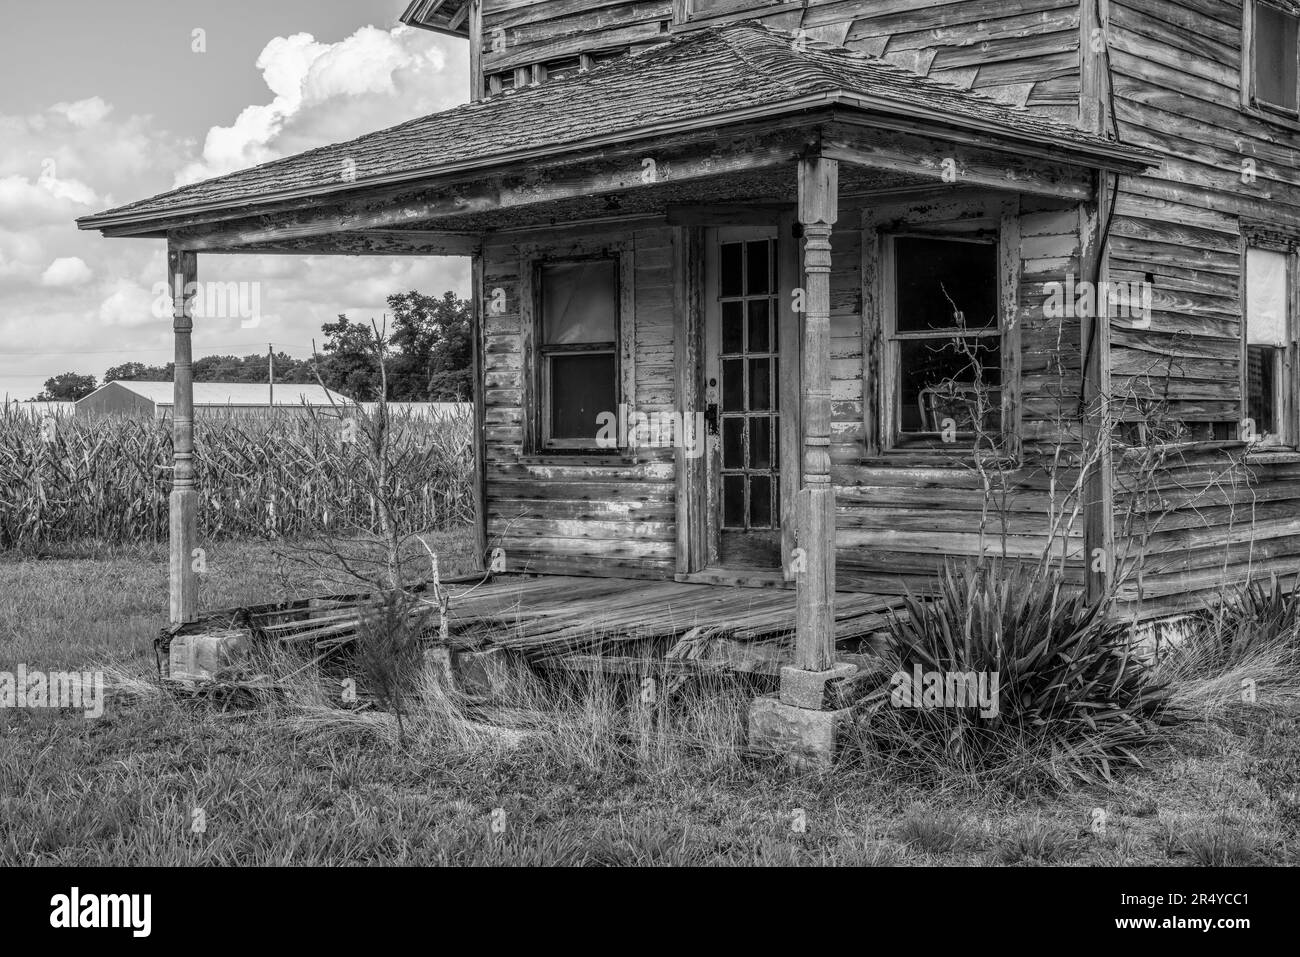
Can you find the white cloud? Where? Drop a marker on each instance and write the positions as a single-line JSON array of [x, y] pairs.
[[327, 92], [72, 300], [84, 113], [66, 271], [127, 303], [23, 201]]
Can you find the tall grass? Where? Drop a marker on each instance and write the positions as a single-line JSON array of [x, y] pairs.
[[1250, 642], [107, 479]]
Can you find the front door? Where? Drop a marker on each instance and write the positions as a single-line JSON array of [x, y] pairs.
[[743, 386]]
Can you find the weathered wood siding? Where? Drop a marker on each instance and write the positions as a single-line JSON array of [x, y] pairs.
[[1019, 51], [901, 516], [581, 514], [1176, 80]]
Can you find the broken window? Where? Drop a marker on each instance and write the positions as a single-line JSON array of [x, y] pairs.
[[1277, 56], [702, 9], [943, 355], [578, 336], [1267, 325]]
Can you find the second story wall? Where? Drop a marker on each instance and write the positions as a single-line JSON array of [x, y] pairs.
[[1226, 167], [1019, 51]]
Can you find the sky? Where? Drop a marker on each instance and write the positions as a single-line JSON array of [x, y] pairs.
[[103, 104]]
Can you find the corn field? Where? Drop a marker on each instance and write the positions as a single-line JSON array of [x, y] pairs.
[[107, 479]]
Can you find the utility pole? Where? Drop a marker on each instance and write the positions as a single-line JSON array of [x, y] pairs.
[[270, 375]]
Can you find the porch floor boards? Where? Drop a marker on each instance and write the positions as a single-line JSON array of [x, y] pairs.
[[553, 615], [592, 624]]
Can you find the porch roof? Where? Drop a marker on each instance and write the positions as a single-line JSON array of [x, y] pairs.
[[700, 81]]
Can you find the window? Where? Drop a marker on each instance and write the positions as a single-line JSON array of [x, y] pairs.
[[578, 359], [1273, 45], [1267, 334], [942, 368], [703, 9]]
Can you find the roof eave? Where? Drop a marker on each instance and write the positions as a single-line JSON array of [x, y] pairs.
[[1098, 155], [475, 166], [1121, 158], [426, 15]]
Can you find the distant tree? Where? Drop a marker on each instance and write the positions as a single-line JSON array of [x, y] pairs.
[[434, 350], [138, 371], [68, 387], [428, 356], [347, 365]]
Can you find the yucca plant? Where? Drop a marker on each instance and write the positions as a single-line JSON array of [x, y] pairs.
[[1261, 614], [1072, 700], [1239, 658]]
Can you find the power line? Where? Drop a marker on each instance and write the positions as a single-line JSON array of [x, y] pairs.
[[117, 352]]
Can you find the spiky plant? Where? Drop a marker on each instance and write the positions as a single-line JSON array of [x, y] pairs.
[[1072, 699]]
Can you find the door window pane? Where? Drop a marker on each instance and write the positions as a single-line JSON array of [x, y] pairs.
[[760, 385], [758, 263], [733, 501], [760, 443], [733, 327], [733, 443], [731, 279], [760, 325], [760, 501], [733, 385]]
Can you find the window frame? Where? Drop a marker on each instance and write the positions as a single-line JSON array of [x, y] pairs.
[[964, 216], [1288, 362], [1249, 60], [684, 11], [892, 339], [537, 353]]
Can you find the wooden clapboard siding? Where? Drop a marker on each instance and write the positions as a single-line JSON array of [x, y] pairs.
[[1202, 519], [1018, 51], [1175, 71], [579, 514], [901, 516], [1212, 515]]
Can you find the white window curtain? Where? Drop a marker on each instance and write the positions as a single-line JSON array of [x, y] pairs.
[[1266, 298]]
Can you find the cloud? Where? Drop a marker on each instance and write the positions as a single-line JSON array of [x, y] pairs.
[[66, 271], [72, 300], [127, 303], [327, 92], [83, 113]]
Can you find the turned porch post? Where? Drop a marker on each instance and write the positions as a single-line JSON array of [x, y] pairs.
[[182, 268], [815, 511]]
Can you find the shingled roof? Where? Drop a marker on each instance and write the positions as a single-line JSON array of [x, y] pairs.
[[706, 78]]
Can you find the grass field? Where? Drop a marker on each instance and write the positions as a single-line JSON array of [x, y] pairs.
[[277, 789]]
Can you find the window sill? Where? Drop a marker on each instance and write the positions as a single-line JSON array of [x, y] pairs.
[[579, 457], [1270, 455], [935, 458], [1284, 120]]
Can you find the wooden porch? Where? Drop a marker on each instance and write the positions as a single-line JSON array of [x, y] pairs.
[[587, 624]]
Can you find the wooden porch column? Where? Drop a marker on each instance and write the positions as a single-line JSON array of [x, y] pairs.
[[1094, 330], [815, 509], [182, 269]]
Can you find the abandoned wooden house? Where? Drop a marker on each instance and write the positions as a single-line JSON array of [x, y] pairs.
[[804, 293]]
